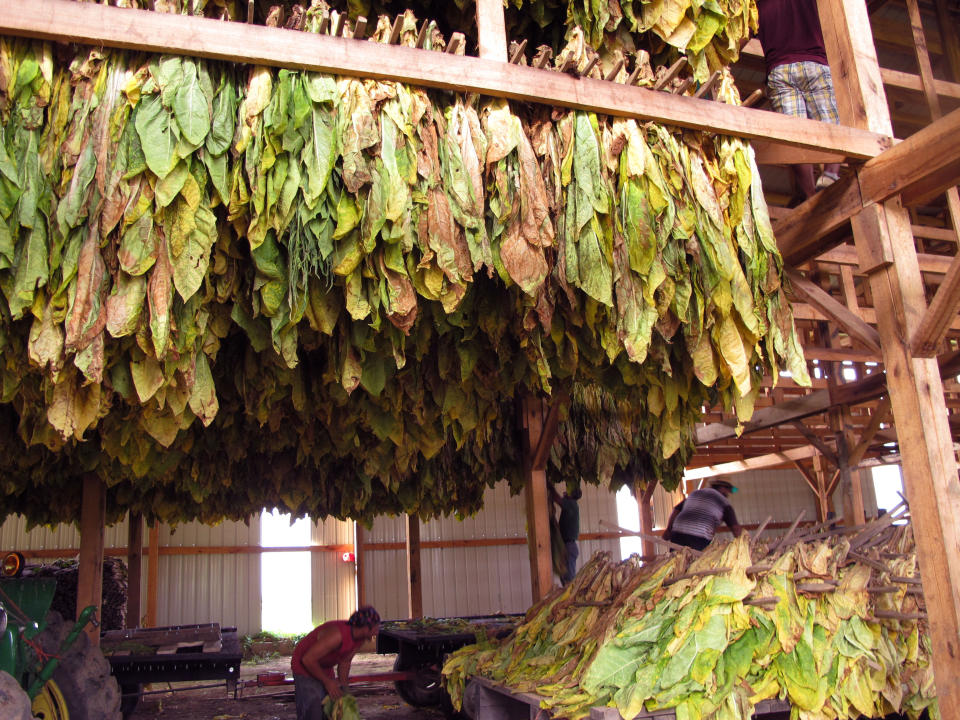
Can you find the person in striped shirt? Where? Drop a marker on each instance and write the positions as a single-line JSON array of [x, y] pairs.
[[694, 521]]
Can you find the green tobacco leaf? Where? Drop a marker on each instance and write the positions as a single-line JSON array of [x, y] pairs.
[[158, 137], [190, 107]]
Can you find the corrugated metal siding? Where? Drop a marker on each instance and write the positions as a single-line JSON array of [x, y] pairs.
[[14, 536], [333, 582], [473, 580], [223, 588]]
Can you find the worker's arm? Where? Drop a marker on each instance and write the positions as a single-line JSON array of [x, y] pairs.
[[730, 518], [553, 494], [327, 642], [673, 516], [343, 671]]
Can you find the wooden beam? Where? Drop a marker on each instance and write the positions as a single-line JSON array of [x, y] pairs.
[[414, 575], [93, 515], [361, 550], [809, 477], [916, 391], [775, 154], [537, 504], [945, 304], [880, 414], [491, 32], [134, 568], [855, 327], [163, 33], [153, 575], [645, 502], [949, 39], [755, 463], [815, 440], [932, 264], [919, 168], [549, 433]]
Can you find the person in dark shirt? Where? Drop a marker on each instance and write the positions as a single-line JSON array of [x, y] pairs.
[[328, 646], [798, 76], [569, 522], [694, 521]]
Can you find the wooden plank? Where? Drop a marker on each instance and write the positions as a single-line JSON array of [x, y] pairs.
[[645, 502], [932, 264], [153, 575], [491, 32], [916, 391], [754, 463], [537, 504], [808, 476], [800, 234], [134, 568], [414, 574], [93, 516], [835, 310], [919, 168], [101, 25], [775, 154]]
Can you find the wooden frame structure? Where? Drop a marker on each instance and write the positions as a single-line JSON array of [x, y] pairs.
[[883, 306]]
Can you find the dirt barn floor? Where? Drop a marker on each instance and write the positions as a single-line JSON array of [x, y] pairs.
[[377, 701]]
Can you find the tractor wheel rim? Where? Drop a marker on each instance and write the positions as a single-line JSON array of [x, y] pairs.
[[50, 703]]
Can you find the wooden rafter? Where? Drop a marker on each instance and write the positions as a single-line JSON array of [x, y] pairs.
[[843, 316], [753, 463], [143, 30], [815, 440]]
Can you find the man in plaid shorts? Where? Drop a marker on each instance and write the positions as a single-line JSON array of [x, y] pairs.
[[798, 75]]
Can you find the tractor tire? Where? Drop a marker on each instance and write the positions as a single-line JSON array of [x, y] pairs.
[[426, 688], [82, 687]]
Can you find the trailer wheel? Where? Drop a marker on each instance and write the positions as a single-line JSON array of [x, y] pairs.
[[81, 687], [426, 688]]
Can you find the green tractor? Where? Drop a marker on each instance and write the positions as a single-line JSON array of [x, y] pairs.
[[64, 676]]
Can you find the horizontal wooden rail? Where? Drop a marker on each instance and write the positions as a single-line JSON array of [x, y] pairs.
[[143, 30], [185, 551]]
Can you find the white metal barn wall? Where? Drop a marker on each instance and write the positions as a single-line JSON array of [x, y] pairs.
[[781, 494], [15, 536], [332, 581], [209, 587], [473, 580]]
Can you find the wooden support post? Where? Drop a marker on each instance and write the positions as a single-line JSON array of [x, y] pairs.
[[916, 391], [491, 30], [824, 500], [360, 539], [949, 38], [645, 501], [93, 514], [537, 504], [153, 575], [414, 578], [134, 568]]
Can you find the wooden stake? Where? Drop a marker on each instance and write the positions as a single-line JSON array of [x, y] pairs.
[[338, 28], [454, 43], [590, 65], [395, 31], [93, 515], [669, 75], [360, 28], [360, 555], [250, 7], [544, 59], [422, 35], [752, 98], [614, 71], [708, 85], [518, 52]]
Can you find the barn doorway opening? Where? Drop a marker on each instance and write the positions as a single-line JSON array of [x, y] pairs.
[[285, 586]]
